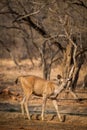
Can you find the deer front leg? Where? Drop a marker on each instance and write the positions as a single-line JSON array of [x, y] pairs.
[[43, 106], [74, 94], [58, 114]]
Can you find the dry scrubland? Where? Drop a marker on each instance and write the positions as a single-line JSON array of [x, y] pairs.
[[11, 95]]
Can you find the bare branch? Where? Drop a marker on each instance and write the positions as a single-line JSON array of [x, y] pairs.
[[35, 3], [81, 52], [27, 15], [10, 53], [80, 3]]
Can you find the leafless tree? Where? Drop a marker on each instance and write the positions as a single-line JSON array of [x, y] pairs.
[[59, 24]]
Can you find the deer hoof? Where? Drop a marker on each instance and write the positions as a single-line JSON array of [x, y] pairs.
[[63, 118]]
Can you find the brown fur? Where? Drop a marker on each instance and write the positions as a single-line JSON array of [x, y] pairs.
[[40, 87]]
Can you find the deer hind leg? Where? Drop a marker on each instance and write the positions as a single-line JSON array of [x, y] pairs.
[[22, 105], [56, 107], [43, 106], [26, 105]]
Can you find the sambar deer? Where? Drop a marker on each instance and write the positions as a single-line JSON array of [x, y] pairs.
[[40, 87]]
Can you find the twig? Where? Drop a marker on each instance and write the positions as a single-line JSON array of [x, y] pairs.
[[30, 14]]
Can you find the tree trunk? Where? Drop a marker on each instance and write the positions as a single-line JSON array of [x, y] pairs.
[[71, 67], [68, 60], [79, 62], [46, 71]]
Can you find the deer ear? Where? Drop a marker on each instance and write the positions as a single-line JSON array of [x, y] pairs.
[[59, 76]]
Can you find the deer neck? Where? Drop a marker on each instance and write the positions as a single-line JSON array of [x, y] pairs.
[[60, 88]]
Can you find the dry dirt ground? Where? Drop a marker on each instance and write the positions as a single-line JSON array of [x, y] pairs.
[[11, 95]]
